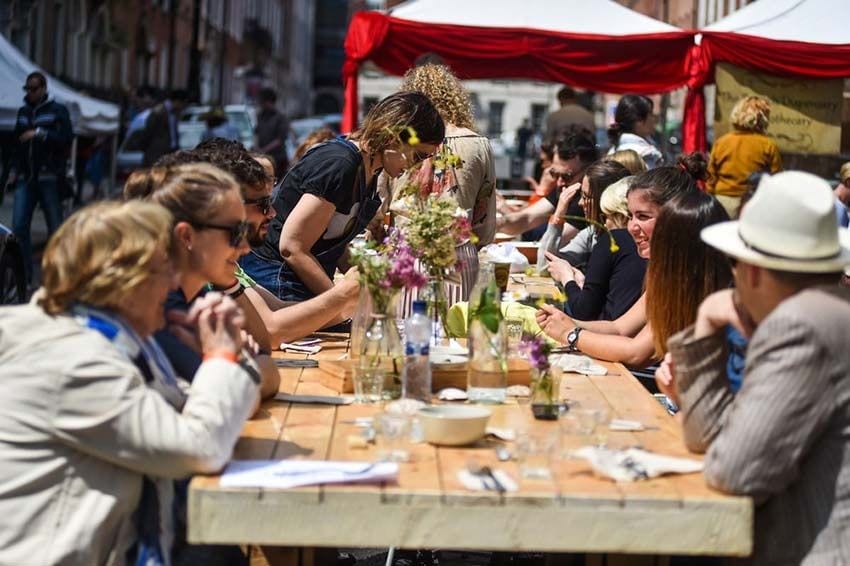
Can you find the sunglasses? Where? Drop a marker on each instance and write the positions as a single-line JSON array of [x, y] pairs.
[[558, 175], [237, 232], [264, 204]]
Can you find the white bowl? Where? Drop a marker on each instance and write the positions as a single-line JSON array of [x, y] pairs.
[[453, 425]]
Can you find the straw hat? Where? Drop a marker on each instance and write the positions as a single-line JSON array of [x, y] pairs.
[[789, 225]]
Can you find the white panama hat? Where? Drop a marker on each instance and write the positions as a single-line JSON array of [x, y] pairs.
[[788, 225]]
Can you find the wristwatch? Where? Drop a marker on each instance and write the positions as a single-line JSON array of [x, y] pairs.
[[572, 339]]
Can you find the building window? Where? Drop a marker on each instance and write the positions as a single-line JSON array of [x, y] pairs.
[[494, 121], [538, 114]]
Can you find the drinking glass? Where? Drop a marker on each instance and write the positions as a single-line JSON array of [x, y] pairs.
[[393, 435], [513, 328], [534, 453], [368, 384]]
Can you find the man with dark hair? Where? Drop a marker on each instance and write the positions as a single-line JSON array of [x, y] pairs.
[[43, 131], [271, 131], [570, 117], [782, 439], [159, 136], [572, 156]]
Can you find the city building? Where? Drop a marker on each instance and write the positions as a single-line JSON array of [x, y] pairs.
[[220, 50]]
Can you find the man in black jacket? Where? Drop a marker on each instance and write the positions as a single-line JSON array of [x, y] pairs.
[[44, 134]]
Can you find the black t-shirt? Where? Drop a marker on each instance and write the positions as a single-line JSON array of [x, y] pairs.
[[613, 281], [573, 209], [331, 171]]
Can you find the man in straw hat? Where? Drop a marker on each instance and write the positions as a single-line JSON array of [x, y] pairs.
[[784, 439]]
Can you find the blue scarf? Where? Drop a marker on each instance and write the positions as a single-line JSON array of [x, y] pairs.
[[154, 527]]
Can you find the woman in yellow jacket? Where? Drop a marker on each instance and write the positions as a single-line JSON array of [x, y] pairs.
[[740, 153]]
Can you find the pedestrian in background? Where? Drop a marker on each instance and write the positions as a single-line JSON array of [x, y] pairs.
[[569, 118], [159, 135], [740, 153], [44, 134], [271, 131], [634, 125]]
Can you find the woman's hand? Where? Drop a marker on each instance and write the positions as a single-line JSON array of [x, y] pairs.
[[554, 322], [560, 269], [565, 197], [219, 322], [665, 378]]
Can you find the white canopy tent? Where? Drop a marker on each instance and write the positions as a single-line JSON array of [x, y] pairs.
[[572, 16], [809, 21], [89, 116]]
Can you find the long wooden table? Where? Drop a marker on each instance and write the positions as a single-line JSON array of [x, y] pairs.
[[429, 508]]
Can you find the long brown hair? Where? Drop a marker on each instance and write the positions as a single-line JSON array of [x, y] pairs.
[[388, 122], [683, 270], [664, 183]]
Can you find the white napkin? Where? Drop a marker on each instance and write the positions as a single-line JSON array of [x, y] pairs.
[[505, 252], [283, 474], [452, 394], [300, 348], [634, 464], [476, 482], [577, 364]]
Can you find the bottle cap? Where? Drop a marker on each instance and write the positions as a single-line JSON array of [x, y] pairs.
[[420, 307]]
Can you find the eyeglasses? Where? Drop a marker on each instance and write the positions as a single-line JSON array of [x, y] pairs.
[[237, 232], [264, 204], [566, 176]]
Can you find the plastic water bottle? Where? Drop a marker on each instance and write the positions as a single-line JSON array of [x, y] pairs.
[[416, 383]]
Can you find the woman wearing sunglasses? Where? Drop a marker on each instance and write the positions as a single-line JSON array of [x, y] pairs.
[[209, 235], [330, 195]]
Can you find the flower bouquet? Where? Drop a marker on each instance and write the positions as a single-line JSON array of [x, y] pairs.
[[384, 270], [545, 380]]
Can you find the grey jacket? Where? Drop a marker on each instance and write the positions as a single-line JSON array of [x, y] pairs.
[[784, 439], [79, 428]]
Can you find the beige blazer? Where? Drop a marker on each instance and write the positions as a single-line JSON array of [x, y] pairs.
[[784, 439], [79, 428]]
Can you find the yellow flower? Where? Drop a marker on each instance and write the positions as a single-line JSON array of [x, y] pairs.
[[412, 139], [614, 247]]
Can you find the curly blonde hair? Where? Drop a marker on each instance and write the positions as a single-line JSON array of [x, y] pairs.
[[103, 253], [438, 83], [751, 114]]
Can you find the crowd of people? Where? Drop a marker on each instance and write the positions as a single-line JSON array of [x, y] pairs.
[[164, 308]]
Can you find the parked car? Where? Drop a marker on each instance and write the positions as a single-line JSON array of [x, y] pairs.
[[189, 130], [302, 127], [243, 116], [13, 282]]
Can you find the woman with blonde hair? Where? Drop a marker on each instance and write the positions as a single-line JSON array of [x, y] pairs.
[[94, 423], [745, 150]]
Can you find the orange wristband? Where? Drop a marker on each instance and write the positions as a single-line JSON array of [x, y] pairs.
[[556, 220], [221, 355]]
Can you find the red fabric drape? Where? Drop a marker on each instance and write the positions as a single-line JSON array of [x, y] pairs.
[[647, 63], [782, 58]]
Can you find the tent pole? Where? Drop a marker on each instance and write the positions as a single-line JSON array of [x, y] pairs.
[[113, 166]]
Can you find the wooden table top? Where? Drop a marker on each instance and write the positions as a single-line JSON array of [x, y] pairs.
[[429, 508]]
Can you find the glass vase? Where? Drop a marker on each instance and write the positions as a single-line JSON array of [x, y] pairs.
[[360, 322], [545, 386], [487, 373], [435, 296], [380, 347]]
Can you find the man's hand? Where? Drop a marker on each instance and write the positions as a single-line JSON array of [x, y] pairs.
[[718, 310], [554, 322], [564, 199], [27, 136], [560, 269]]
